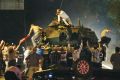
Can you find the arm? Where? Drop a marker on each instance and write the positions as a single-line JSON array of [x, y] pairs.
[[30, 30], [112, 59], [2, 44], [17, 47], [99, 47], [21, 41], [58, 18], [107, 31]]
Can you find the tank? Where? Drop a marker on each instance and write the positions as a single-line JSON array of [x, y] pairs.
[[59, 33]]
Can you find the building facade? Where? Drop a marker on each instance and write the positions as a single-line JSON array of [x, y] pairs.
[[11, 4]]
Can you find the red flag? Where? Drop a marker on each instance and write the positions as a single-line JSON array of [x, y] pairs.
[[24, 39]]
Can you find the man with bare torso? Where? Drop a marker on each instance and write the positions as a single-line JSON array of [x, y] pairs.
[[37, 32], [105, 39]]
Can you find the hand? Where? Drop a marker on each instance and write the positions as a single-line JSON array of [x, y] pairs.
[[2, 41], [28, 35]]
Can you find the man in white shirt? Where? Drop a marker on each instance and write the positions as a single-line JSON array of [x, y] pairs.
[[27, 52], [62, 15], [77, 51]]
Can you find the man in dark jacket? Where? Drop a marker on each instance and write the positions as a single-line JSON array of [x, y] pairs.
[[115, 59]]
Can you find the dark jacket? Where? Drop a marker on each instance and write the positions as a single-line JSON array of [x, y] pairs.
[[115, 60]]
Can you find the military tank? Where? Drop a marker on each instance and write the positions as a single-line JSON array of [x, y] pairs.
[[61, 34], [58, 34]]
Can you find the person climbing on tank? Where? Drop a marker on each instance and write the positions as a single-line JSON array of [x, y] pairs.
[[37, 30], [62, 15], [105, 39]]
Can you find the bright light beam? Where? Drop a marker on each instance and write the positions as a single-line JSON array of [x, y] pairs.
[[106, 66]]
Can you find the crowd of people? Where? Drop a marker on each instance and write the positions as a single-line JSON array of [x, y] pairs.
[[43, 56]]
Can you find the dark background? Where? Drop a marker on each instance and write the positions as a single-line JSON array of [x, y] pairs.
[[95, 14], [11, 25]]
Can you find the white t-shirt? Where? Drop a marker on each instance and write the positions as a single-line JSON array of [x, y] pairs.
[[64, 15], [26, 54]]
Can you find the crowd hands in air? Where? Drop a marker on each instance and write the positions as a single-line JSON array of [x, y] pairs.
[[40, 56]]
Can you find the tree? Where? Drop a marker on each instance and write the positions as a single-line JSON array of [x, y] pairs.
[[114, 14]]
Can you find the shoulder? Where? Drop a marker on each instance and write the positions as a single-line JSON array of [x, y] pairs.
[[113, 55], [31, 27]]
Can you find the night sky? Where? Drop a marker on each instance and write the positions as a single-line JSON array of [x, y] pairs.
[[92, 13], [11, 25]]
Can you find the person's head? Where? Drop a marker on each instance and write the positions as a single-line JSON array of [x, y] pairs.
[[117, 49], [10, 50], [96, 46], [58, 11], [29, 48], [76, 47], [32, 24], [14, 46], [19, 66], [61, 49]]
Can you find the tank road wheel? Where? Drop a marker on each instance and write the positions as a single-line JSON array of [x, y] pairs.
[[83, 68]]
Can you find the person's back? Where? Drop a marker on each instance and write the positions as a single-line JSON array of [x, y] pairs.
[[33, 63], [11, 57], [13, 73], [115, 59], [105, 39], [104, 32], [26, 53], [36, 29], [40, 51], [33, 60]]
